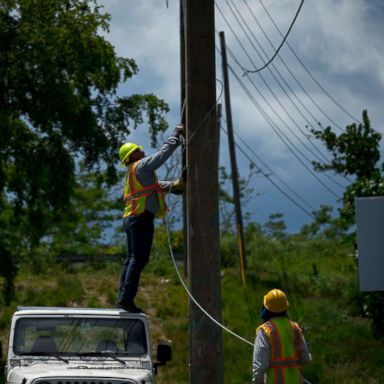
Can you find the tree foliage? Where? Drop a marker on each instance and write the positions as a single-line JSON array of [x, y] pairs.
[[227, 201], [275, 227], [92, 212], [58, 104], [356, 153]]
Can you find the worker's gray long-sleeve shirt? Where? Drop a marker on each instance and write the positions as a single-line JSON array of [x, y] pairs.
[[148, 165], [262, 353]]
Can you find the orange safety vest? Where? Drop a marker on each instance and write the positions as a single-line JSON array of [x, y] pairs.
[[285, 339], [135, 195]]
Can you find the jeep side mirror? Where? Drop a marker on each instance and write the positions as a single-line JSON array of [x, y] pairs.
[[163, 355]]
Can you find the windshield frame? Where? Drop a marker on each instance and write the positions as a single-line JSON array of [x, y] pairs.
[[80, 335]]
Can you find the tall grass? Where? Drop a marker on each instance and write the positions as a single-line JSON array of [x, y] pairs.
[[319, 277]]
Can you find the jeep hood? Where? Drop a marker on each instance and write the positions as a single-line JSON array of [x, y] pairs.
[[77, 371]]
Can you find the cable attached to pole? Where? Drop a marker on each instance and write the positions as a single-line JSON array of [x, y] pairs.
[[183, 283], [246, 71], [186, 288], [191, 296]]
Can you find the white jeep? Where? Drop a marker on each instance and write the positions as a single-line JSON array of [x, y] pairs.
[[81, 346]]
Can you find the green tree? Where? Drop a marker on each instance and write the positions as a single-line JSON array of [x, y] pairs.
[[58, 104], [355, 152], [91, 212], [324, 225], [275, 227], [226, 199]]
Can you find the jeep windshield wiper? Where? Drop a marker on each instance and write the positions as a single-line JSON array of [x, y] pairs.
[[49, 354], [102, 354]]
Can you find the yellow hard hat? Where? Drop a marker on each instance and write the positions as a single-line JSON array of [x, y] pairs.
[[127, 149], [276, 301]]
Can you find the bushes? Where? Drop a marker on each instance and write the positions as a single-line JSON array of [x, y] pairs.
[[318, 275], [371, 305], [42, 290]]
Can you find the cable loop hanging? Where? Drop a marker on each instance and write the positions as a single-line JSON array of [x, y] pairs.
[[186, 288], [207, 116], [247, 71]]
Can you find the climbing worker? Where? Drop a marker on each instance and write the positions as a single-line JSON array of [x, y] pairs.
[[280, 349], [144, 200]]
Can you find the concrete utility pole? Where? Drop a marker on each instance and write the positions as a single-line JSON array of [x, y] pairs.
[[205, 344], [232, 155]]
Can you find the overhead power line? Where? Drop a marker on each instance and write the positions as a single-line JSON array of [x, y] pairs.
[[272, 92], [290, 71], [280, 133], [305, 67], [278, 72], [269, 178], [282, 43], [272, 173], [318, 153], [289, 128]]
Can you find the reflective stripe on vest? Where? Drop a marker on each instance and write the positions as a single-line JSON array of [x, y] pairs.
[[135, 195], [285, 340]]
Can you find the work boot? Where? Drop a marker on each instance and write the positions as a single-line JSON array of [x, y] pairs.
[[129, 307]]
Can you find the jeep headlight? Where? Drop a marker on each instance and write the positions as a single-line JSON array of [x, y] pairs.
[[14, 363]]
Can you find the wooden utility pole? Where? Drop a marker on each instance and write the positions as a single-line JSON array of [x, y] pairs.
[[205, 344], [182, 113], [232, 153]]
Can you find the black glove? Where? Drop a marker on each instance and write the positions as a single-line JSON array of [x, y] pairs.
[[177, 187], [179, 130]]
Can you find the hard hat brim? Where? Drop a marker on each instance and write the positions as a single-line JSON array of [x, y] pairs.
[[276, 306], [125, 158]]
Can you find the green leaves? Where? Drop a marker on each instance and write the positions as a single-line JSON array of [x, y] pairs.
[[355, 152], [58, 106]]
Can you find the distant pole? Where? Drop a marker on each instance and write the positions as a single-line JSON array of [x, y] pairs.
[[218, 114], [232, 153], [205, 344]]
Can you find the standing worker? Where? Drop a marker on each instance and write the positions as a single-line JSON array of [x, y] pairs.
[[144, 200], [280, 348]]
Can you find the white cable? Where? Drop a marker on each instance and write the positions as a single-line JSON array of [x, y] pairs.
[[186, 288], [170, 244], [190, 294]]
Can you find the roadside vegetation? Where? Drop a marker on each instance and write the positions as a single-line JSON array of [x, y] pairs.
[[318, 275]]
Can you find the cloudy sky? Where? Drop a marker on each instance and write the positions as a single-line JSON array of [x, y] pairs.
[[331, 68]]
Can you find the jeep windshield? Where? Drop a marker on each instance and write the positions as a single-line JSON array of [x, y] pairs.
[[79, 336]]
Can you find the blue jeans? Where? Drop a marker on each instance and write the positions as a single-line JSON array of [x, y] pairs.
[[139, 230]]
